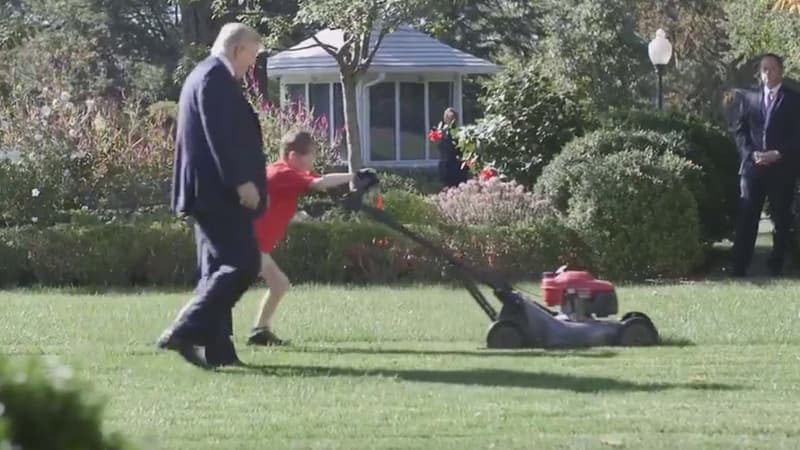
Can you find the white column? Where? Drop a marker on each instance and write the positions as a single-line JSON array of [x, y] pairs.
[[397, 123], [282, 93], [331, 113], [427, 120], [458, 98]]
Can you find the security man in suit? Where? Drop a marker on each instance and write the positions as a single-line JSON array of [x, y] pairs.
[[219, 182], [768, 139]]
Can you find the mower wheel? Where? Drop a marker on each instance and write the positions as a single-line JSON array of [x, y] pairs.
[[637, 314], [637, 331], [504, 335]]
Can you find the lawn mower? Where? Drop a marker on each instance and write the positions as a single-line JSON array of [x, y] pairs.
[[523, 322]]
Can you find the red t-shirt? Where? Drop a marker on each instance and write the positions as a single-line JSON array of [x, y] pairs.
[[285, 185]]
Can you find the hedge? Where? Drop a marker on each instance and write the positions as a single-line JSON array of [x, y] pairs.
[[161, 252], [710, 147], [578, 159], [637, 216]]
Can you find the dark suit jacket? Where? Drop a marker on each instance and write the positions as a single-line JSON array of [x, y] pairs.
[[759, 129], [218, 144]]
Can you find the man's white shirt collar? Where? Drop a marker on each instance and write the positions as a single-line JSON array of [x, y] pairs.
[[227, 64], [773, 90]]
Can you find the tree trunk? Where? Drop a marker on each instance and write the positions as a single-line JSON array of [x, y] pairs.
[[196, 22], [353, 137], [261, 76]]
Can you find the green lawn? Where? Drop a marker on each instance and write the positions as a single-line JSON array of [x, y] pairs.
[[405, 368]]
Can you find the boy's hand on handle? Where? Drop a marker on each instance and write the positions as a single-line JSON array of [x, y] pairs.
[[365, 179], [248, 195]]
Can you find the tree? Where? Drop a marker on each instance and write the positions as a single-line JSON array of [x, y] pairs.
[[486, 28], [753, 28], [87, 46], [697, 32], [591, 47], [363, 25]]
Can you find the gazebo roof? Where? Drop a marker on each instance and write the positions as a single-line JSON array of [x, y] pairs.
[[406, 50]]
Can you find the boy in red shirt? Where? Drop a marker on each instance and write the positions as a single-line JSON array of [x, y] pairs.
[[288, 179]]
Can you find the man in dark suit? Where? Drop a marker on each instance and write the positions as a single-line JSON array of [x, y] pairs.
[[219, 181], [768, 138]]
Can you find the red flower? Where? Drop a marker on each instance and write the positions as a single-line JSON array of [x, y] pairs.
[[435, 135], [487, 174], [379, 202]]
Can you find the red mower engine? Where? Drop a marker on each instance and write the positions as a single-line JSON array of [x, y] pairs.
[[579, 295]]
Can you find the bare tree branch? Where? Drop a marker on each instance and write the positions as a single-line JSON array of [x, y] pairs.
[[327, 47], [348, 54], [305, 47], [366, 63], [363, 52]]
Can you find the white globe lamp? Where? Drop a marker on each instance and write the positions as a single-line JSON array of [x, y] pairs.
[[660, 52]]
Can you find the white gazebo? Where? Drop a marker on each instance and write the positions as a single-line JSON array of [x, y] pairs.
[[411, 81]]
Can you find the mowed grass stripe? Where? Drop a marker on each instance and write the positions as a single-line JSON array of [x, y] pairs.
[[405, 368]]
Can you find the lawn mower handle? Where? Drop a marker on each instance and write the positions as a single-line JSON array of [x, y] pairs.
[[468, 275], [491, 279]]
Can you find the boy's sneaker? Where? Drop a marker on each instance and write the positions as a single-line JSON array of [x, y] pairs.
[[265, 337]]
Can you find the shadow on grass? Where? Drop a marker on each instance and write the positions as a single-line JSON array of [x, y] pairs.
[[483, 377], [479, 353], [676, 342]]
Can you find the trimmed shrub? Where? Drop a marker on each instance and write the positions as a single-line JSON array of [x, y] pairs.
[[43, 407], [144, 251], [162, 252], [490, 202], [422, 181], [579, 158], [635, 214], [410, 208], [710, 147]]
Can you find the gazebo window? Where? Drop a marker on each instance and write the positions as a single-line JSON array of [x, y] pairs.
[[412, 121], [440, 95], [412, 79], [296, 93], [382, 119], [400, 115], [319, 100]]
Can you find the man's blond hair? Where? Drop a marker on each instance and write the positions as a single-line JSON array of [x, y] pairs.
[[234, 34]]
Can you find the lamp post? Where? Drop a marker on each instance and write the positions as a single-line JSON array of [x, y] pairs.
[[660, 52]]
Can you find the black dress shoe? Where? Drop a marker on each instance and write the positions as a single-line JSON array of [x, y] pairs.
[[222, 354], [191, 353]]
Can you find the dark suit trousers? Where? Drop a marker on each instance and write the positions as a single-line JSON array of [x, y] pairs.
[[229, 262], [755, 189]]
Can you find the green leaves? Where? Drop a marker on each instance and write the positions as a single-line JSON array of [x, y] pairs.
[[527, 121], [41, 394], [754, 29]]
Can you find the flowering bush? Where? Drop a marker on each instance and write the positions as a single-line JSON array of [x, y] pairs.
[[58, 155], [276, 121], [489, 202]]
